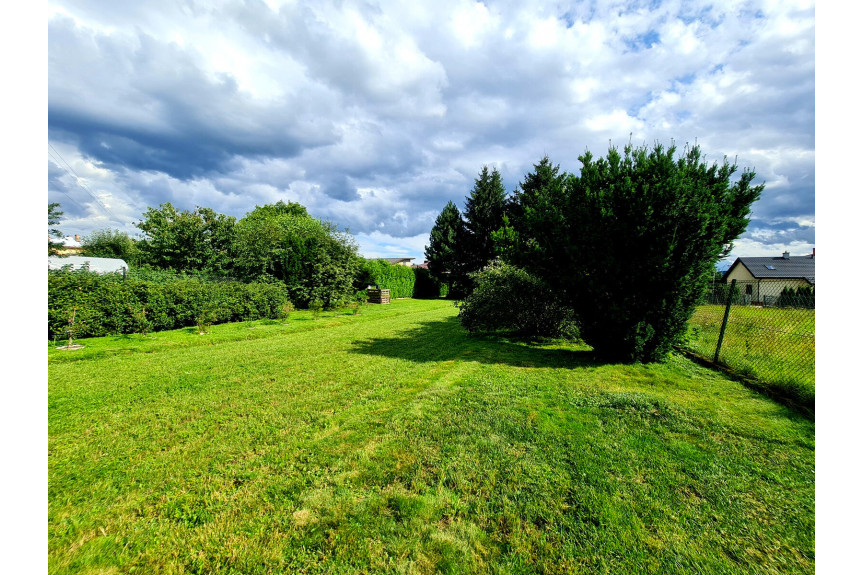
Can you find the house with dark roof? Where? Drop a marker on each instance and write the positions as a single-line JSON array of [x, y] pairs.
[[764, 278]]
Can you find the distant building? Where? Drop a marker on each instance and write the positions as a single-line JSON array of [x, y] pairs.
[[398, 261], [71, 245], [764, 278]]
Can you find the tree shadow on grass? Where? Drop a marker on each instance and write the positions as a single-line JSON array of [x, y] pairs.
[[446, 340]]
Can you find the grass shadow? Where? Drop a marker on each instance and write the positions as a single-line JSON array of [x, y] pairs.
[[446, 340]]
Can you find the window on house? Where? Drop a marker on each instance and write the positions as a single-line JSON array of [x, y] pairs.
[[749, 290]]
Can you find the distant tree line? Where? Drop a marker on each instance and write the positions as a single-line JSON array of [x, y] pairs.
[[619, 253], [277, 243]]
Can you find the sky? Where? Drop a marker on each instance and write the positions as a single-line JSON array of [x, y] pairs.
[[374, 115]]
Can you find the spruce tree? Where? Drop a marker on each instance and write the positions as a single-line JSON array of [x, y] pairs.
[[536, 197], [484, 211], [444, 252]]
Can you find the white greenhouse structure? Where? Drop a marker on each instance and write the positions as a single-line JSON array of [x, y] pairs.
[[98, 265]]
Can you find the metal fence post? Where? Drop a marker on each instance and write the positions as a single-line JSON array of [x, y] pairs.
[[724, 320]]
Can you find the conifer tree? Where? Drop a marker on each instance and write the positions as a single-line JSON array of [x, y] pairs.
[[484, 211], [630, 242], [444, 252], [535, 196], [54, 215]]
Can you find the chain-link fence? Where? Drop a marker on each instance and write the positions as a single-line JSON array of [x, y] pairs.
[[764, 330]]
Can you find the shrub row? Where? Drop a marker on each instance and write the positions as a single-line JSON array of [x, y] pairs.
[[801, 298], [160, 276], [107, 304]]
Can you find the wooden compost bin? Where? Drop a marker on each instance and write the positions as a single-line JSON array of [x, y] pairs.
[[379, 296]]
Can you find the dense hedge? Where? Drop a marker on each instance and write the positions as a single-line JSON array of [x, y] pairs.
[[108, 304], [802, 297], [402, 281], [399, 280], [161, 276]]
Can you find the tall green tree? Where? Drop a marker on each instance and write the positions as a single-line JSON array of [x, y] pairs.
[[632, 240], [538, 194], [54, 215], [312, 258], [461, 246], [444, 252], [483, 215], [187, 241], [109, 243]]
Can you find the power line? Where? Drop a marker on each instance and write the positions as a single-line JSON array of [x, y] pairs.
[[69, 168], [62, 191], [78, 178]]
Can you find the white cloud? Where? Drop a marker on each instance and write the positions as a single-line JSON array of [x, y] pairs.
[[469, 23], [374, 116], [753, 248], [583, 89], [616, 123], [545, 33], [680, 38]]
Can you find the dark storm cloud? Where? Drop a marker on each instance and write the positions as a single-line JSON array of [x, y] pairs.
[[156, 110], [338, 186], [785, 201]]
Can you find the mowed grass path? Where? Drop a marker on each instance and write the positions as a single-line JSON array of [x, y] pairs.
[[392, 442]]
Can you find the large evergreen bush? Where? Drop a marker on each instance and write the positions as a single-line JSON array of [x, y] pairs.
[[630, 242]]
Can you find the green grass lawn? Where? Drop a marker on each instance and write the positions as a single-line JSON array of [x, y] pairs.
[[393, 442], [776, 346]]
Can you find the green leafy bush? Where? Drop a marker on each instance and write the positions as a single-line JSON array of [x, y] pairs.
[[281, 242], [106, 304], [508, 299], [107, 243]]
